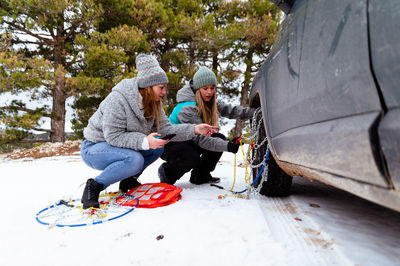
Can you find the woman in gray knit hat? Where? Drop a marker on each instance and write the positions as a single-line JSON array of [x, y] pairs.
[[122, 137], [197, 103]]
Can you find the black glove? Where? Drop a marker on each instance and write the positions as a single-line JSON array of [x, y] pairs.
[[233, 145]]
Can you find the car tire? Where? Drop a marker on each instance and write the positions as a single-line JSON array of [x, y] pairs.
[[278, 182]]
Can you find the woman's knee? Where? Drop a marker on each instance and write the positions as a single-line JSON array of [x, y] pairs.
[[129, 161], [134, 161]]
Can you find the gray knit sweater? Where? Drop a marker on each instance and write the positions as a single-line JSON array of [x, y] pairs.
[[189, 114], [120, 120]]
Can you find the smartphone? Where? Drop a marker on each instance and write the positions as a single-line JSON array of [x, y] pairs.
[[169, 136]]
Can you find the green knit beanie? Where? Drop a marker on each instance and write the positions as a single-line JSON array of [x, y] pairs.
[[203, 77]]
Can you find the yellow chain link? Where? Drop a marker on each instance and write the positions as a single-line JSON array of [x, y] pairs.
[[247, 175]]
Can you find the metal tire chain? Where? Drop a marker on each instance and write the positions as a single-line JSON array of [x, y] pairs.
[[254, 135]]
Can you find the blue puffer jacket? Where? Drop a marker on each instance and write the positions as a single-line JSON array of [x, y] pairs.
[[186, 111]]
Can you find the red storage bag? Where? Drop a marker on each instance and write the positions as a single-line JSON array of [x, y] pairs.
[[152, 195]]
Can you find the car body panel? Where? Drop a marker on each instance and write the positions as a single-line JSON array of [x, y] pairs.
[[331, 78], [323, 109], [385, 55], [389, 135], [335, 144], [384, 17]]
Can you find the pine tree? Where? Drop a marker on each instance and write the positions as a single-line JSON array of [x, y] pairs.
[[40, 58], [168, 28], [252, 34], [106, 59]]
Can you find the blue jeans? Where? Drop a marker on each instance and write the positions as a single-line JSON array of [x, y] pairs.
[[116, 163]]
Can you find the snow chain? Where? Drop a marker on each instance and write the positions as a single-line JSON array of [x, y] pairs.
[[249, 161], [255, 138]]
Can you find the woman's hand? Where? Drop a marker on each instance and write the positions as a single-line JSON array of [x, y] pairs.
[[155, 143], [205, 129]]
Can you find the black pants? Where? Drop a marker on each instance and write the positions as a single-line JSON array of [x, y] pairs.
[[181, 157]]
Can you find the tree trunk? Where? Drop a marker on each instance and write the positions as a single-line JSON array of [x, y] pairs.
[[215, 61], [244, 98], [191, 55], [59, 94], [58, 114]]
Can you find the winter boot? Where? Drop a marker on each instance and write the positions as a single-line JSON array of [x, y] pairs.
[[199, 177], [163, 175], [90, 197], [129, 183]]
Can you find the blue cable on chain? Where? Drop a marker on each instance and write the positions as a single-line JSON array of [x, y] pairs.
[[258, 176], [262, 168]]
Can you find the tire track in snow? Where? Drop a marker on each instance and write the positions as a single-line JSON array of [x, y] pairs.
[[291, 226]]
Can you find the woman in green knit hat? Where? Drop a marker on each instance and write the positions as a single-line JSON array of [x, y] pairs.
[[197, 103]]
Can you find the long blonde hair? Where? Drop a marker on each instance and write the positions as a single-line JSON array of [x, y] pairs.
[[207, 110], [151, 107]]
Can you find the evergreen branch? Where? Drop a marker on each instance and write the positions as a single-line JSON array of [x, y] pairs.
[[73, 61], [25, 42], [42, 129], [18, 27], [21, 109], [71, 31], [51, 32]]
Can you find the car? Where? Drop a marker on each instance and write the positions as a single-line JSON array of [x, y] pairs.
[[329, 93]]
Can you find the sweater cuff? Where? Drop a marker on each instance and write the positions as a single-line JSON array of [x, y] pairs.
[[145, 144]]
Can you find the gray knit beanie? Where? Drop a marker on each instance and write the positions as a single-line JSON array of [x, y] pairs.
[[149, 71], [203, 77]]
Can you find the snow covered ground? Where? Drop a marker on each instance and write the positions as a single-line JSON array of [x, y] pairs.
[[317, 225]]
